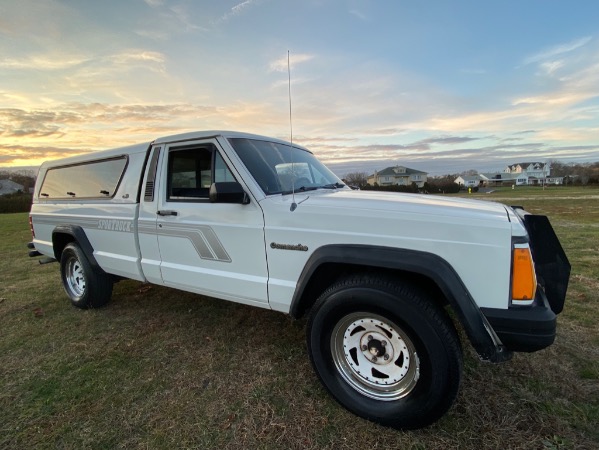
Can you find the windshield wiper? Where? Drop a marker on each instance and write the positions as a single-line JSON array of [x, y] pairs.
[[332, 186], [301, 189], [313, 188]]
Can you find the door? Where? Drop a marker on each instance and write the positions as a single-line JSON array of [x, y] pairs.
[[216, 249]]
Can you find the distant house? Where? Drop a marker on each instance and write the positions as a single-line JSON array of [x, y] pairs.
[[469, 180], [521, 174], [536, 173], [538, 170], [398, 175], [554, 180], [10, 187], [504, 178]]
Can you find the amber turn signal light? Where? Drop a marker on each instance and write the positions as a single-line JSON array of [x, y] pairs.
[[524, 280]]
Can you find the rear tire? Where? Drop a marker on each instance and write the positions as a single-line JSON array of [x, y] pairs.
[[385, 351], [86, 287]]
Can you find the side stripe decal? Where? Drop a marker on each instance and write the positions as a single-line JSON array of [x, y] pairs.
[[202, 237]]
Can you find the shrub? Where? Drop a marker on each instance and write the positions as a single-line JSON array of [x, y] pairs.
[[13, 203], [413, 188], [443, 187]]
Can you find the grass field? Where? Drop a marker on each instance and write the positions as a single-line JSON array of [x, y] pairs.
[[159, 368]]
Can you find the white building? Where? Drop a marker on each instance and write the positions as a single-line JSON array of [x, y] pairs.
[[469, 180], [521, 174], [10, 187], [505, 178], [398, 175]]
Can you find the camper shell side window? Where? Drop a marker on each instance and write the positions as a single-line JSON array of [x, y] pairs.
[[90, 180]]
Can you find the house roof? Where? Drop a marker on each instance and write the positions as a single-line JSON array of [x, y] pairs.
[[390, 171], [471, 177], [9, 187], [536, 164]]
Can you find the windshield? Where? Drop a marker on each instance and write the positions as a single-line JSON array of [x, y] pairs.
[[280, 168]]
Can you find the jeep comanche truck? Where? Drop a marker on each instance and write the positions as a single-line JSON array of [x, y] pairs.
[[262, 222]]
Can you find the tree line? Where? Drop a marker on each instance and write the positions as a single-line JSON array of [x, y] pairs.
[[576, 173]]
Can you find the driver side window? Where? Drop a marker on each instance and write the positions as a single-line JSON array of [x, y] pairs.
[[191, 172]]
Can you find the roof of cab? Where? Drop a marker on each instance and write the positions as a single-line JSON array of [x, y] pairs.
[[214, 133], [136, 148]]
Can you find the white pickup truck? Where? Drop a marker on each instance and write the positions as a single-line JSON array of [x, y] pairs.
[[260, 221]]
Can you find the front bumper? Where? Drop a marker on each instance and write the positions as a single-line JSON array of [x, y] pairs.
[[551, 263], [532, 328], [524, 329]]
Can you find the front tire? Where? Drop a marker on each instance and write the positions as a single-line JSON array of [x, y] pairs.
[[385, 351], [86, 287]]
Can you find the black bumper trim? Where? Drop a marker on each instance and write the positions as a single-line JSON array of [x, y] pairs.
[[551, 263], [524, 329]]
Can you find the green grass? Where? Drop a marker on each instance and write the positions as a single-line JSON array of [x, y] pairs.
[[160, 368]]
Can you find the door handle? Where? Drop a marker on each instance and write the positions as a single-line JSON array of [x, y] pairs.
[[167, 212]]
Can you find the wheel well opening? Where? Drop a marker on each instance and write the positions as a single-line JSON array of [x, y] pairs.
[[327, 274], [59, 242]]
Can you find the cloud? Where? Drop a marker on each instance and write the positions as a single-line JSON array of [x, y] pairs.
[[43, 62], [558, 50], [181, 14], [73, 63], [236, 10], [550, 67], [79, 123], [154, 34], [167, 19], [130, 56], [31, 155], [359, 15], [569, 134], [280, 65], [448, 140], [383, 132], [564, 100], [20, 123], [154, 3]]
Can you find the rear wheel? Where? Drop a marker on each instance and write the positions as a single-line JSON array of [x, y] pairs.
[[385, 352], [86, 287]]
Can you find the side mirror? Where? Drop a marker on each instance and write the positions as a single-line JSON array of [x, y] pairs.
[[228, 192]]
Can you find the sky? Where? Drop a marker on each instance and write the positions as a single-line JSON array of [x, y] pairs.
[[436, 85]]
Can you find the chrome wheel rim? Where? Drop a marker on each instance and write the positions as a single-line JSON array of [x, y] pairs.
[[375, 356], [75, 277]]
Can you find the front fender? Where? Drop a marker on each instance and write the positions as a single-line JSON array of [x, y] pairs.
[[429, 265]]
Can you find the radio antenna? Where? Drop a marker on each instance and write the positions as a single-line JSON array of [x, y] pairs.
[[293, 204], [289, 91]]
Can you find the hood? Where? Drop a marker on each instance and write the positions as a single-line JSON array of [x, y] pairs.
[[377, 203]]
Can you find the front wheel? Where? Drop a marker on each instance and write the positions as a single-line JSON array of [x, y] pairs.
[[385, 351], [86, 287]]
